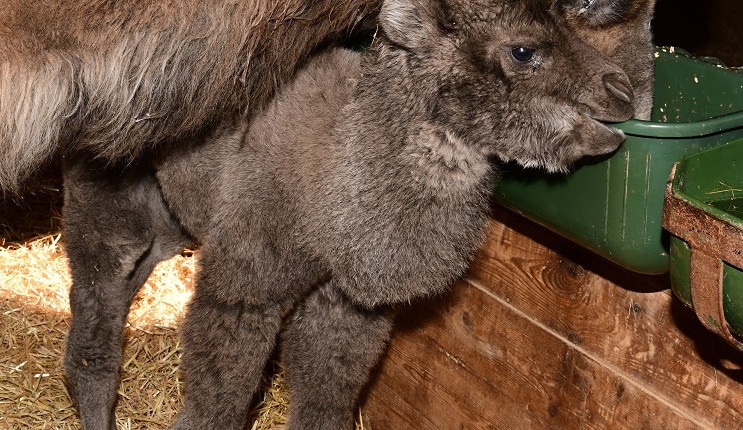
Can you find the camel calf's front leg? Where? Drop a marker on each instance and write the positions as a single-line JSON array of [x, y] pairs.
[[245, 288], [329, 348]]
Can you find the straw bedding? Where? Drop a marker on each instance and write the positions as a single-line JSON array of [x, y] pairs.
[[34, 318]]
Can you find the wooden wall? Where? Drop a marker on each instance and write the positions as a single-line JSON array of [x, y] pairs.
[[542, 335]]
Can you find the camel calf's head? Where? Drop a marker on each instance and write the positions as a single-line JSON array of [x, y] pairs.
[[511, 78]]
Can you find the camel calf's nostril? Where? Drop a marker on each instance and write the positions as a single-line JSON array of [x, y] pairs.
[[619, 85]]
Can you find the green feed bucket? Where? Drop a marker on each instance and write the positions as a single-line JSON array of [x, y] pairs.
[[614, 207]]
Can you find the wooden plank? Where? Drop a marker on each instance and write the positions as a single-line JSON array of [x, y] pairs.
[[623, 320], [472, 361]]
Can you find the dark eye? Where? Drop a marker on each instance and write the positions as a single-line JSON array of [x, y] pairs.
[[522, 54]]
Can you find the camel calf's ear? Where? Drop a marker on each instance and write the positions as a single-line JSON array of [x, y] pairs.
[[405, 23]]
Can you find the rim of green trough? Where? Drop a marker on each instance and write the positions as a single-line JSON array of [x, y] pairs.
[[681, 130]]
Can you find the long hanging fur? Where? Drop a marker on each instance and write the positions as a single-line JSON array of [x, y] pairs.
[[120, 77]]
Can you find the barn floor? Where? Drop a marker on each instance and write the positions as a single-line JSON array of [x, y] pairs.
[[34, 319]]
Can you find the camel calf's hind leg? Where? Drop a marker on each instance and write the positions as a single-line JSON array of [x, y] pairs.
[[117, 229]]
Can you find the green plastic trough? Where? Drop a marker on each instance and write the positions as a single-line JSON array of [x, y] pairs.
[[614, 206]]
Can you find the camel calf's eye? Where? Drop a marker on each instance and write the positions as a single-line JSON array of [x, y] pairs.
[[522, 54]]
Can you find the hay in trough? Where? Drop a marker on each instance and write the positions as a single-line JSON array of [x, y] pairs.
[[34, 319]]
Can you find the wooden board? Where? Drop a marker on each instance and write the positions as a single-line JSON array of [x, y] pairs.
[[534, 340]]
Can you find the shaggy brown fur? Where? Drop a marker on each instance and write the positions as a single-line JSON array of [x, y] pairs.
[[364, 184], [117, 78]]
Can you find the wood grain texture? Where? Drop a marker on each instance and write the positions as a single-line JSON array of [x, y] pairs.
[[616, 316], [545, 336], [477, 363]]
